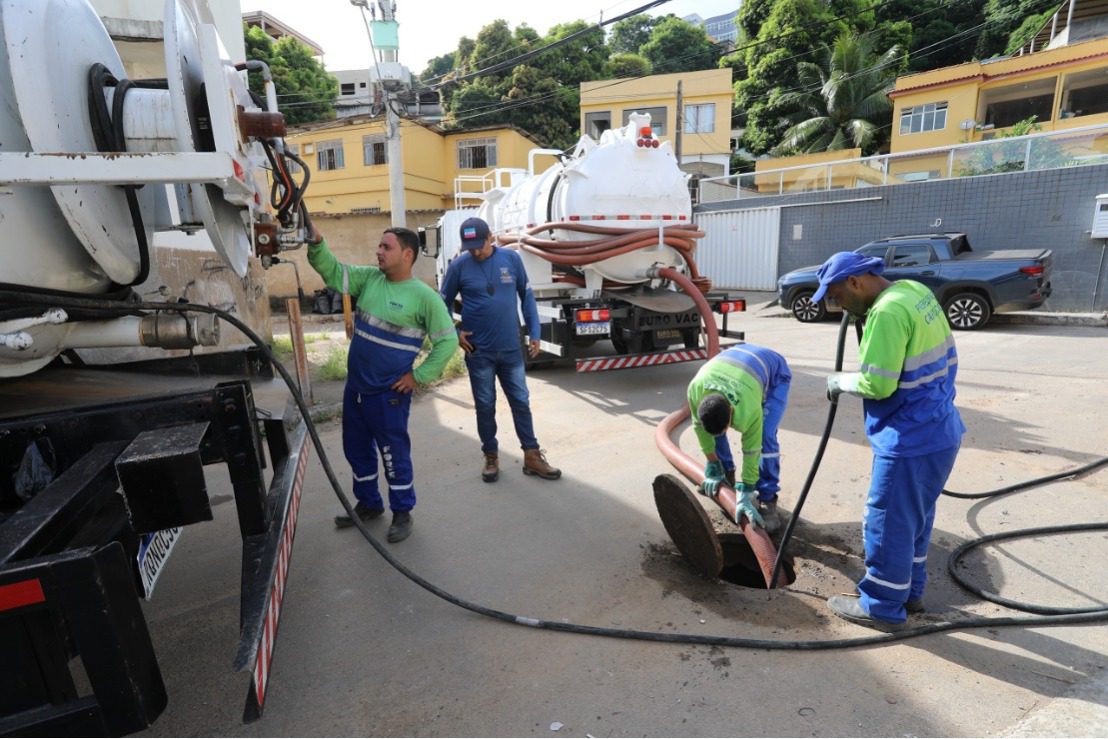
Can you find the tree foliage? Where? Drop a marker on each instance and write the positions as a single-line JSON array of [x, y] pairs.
[[629, 35], [1003, 19], [675, 45], [307, 91], [844, 101], [627, 65]]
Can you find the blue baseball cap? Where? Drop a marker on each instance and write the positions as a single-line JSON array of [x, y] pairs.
[[845, 264], [475, 232]]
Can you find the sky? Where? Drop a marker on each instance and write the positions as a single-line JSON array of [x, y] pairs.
[[430, 28]]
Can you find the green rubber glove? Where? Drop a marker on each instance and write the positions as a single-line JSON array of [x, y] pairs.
[[746, 504], [713, 478]]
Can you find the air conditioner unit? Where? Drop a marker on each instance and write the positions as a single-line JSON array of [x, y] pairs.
[[1100, 218], [967, 125]]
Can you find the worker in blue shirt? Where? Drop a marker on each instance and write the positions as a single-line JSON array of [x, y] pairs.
[[493, 284], [908, 363]]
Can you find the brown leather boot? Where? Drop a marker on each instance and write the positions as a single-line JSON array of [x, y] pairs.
[[491, 470], [534, 463]]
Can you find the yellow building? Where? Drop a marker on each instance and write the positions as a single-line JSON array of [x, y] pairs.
[[350, 172], [348, 196], [1064, 87], [706, 113]]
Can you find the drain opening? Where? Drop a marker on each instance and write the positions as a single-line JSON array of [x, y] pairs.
[[740, 566]]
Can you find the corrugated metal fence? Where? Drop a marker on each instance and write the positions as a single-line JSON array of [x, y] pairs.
[[739, 249]]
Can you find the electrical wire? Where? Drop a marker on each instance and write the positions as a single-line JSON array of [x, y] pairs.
[[93, 305]]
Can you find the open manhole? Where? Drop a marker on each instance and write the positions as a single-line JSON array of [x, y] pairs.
[[740, 566], [728, 557]]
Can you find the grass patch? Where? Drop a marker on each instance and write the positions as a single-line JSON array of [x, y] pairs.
[[281, 345], [313, 338], [334, 366]]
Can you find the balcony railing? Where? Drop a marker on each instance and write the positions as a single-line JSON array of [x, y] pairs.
[[1074, 147]]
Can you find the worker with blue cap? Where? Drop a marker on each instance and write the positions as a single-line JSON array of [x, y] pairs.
[[908, 363]]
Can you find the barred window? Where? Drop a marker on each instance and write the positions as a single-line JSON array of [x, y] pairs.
[[477, 154], [328, 155], [374, 150], [921, 118], [294, 168]]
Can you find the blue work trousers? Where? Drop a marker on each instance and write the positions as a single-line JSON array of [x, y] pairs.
[[484, 369], [896, 530], [372, 423], [769, 465]]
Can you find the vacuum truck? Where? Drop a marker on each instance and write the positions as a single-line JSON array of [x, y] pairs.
[[607, 239], [113, 393]]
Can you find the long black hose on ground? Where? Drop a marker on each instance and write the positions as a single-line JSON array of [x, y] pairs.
[[93, 305]]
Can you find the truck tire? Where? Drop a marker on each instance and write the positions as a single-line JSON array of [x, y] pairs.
[[807, 310], [967, 311]]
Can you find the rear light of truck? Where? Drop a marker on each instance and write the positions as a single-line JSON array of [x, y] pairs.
[[589, 316], [1035, 271], [731, 306]]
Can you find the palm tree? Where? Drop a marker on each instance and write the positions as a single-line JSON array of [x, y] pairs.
[[844, 99]]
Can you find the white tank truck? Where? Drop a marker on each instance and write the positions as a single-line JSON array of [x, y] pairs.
[[101, 465], [607, 239]]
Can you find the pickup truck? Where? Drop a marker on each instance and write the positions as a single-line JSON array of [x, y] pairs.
[[971, 286]]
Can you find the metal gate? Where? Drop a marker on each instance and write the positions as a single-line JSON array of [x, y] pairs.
[[739, 248]]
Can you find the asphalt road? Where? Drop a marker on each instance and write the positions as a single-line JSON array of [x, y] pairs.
[[364, 651]]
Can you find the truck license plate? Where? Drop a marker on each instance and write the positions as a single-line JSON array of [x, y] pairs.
[[593, 328], [667, 333], [153, 553]]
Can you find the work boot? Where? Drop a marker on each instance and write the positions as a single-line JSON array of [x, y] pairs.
[[491, 471], [401, 527], [850, 608], [534, 463], [362, 511], [915, 606], [771, 519]]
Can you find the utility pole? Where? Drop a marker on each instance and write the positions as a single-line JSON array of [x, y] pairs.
[[680, 124], [392, 78]]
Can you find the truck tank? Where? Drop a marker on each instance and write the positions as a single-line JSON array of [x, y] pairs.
[[79, 219], [610, 213]]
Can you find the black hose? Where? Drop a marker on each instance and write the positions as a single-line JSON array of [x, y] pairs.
[[840, 345], [1065, 619], [108, 134]]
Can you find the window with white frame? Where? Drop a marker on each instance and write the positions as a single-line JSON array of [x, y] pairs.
[[293, 149], [477, 153], [374, 150], [328, 155], [921, 118], [700, 118]]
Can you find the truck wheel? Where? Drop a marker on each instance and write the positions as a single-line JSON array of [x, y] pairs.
[[967, 311], [807, 310]]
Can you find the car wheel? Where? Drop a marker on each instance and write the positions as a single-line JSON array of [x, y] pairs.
[[967, 311], [807, 310]]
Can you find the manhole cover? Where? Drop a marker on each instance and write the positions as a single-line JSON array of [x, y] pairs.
[[687, 523]]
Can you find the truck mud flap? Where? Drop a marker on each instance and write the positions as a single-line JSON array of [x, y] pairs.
[[80, 604], [265, 568], [631, 361]]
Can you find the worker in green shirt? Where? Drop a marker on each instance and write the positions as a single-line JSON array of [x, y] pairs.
[[744, 387], [394, 314], [908, 363]]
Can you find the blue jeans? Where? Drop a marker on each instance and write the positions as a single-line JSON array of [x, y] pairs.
[[484, 368]]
